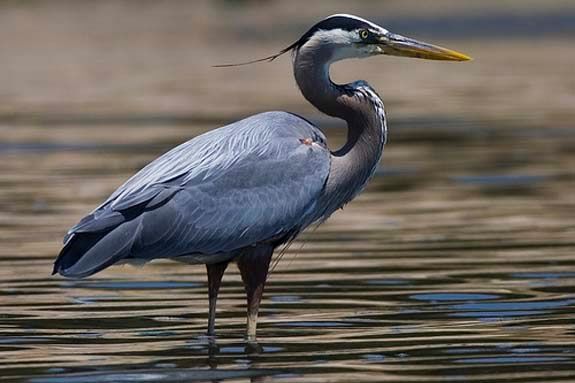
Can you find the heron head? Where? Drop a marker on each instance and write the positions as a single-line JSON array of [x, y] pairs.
[[347, 36]]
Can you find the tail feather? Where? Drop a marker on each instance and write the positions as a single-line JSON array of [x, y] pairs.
[[87, 253], [76, 246]]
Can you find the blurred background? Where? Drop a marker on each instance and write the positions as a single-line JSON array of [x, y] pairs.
[[459, 256], [154, 58]]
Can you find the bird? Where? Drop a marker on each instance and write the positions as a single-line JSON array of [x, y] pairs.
[[238, 192]]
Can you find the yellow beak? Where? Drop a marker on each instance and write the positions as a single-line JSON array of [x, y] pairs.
[[397, 45]]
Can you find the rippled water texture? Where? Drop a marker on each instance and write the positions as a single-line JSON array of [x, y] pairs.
[[432, 273], [456, 264]]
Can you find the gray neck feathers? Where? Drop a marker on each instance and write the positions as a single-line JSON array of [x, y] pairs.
[[360, 106]]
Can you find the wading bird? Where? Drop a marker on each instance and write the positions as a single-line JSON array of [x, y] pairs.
[[238, 192]]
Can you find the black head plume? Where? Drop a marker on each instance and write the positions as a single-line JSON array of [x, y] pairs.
[[268, 59], [345, 22]]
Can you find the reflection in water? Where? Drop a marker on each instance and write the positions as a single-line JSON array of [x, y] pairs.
[[421, 279]]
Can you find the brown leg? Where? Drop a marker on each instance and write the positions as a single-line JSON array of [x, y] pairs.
[[215, 274], [253, 267]]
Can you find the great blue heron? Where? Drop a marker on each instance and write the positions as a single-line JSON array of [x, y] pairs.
[[238, 192]]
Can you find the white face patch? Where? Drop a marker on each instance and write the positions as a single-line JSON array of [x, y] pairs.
[[335, 36], [348, 43], [345, 41]]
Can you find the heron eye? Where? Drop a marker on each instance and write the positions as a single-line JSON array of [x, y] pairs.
[[364, 34]]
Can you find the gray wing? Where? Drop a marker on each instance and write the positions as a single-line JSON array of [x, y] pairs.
[[248, 182]]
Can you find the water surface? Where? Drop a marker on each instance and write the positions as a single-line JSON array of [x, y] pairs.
[[457, 264]]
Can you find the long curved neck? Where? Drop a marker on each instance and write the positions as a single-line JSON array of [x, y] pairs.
[[360, 106]]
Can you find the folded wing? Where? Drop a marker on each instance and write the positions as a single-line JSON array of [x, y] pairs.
[[249, 182]]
